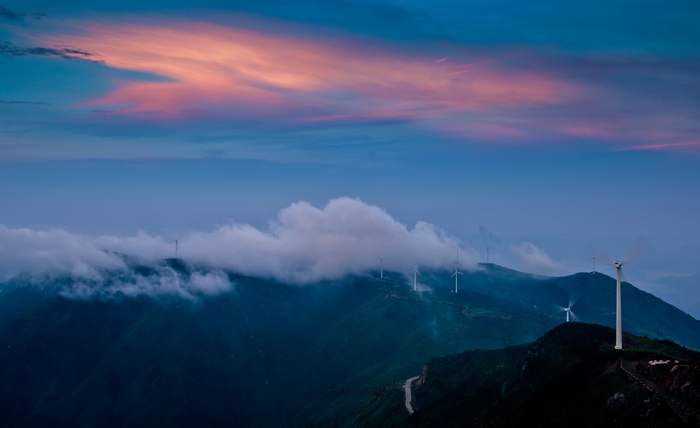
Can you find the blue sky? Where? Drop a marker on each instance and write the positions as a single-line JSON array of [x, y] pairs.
[[557, 125]]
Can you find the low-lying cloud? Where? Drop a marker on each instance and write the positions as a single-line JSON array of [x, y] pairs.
[[534, 260], [303, 245], [158, 281]]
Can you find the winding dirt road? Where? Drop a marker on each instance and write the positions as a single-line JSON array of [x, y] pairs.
[[407, 391]]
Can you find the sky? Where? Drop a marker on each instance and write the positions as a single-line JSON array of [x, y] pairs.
[[538, 129]]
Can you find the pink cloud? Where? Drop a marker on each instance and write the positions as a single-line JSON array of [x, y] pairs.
[[212, 66], [590, 130], [677, 146], [488, 131], [226, 72]]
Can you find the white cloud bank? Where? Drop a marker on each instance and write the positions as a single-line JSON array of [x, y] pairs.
[[305, 244]]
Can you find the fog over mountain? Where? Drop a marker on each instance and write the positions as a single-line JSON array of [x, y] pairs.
[[304, 244]]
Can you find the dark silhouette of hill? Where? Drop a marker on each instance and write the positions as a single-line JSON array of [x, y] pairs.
[[267, 353], [572, 376]]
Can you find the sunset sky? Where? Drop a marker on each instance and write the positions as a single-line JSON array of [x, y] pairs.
[[555, 126]]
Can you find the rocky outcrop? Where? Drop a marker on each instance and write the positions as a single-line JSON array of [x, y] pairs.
[[616, 401], [685, 382], [679, 379], [418, 382]]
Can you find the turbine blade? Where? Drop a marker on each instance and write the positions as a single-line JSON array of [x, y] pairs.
[[572, 300], [602, 257], [623, 278], [639, 248], [573, 316]]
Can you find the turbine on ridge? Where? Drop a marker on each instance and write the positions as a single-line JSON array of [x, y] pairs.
[[569, 313], [639, 249], [381, 267], [456, 275], [415, 272]]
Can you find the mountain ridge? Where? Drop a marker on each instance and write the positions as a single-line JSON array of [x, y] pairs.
[[286, 350]]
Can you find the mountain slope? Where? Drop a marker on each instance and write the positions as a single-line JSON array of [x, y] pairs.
[[570, 377], [266, 353], [681, 292]]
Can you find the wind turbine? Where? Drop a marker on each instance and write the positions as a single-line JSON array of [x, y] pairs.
[[639, 249], [618, 307], [569, 313], [381, 267], [415, 271], [487, 238], [456, 275], [176, 248]]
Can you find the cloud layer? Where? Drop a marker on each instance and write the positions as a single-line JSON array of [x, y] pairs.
[[226, 67], [535, 260], [239, 82], [210, 72], [305, 244]]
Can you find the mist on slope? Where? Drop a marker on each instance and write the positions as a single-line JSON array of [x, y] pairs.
[[535, 260], [304, 244]]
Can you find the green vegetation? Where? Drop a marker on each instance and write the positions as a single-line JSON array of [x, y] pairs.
[[272, 354]]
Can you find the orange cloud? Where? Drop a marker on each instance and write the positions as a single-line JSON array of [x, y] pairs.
[[213, 66]]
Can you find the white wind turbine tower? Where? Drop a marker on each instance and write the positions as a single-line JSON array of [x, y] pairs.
[[639, 249], [381, 266], [415, 272], [176, 248], [456, 275]]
